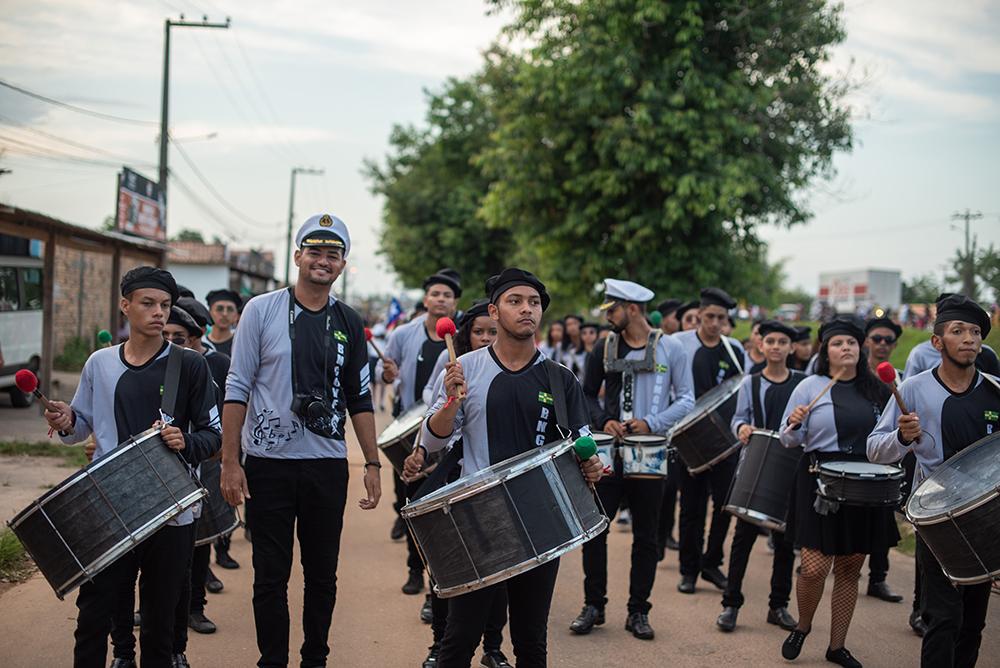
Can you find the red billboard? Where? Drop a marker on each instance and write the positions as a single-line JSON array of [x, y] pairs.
[[140, 210]]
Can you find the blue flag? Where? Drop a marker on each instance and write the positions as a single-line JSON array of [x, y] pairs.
[[395, 312]]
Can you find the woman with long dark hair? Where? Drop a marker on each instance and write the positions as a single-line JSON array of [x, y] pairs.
[[552, 348], [831, 535]]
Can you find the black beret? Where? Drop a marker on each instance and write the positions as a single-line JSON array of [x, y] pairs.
[[802, 333], [875, 323], [684, 308], [149, 277], [478, 308], [960, 307], [773, 326], [224, 296], [184, 292], [843, 324], [446, 276], [668, 306], [179, 316], [196, 310], [512, 277], [717, 297]]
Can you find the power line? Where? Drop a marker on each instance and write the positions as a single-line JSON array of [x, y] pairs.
[[73, 107], [36, 150], [68, 142], [212, 189]]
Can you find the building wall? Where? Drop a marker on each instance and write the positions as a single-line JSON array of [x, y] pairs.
[[80, 295]]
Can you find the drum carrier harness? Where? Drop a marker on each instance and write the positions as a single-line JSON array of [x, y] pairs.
[[628, 368]]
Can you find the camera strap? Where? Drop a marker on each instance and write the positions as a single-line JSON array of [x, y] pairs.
[[326, 344]]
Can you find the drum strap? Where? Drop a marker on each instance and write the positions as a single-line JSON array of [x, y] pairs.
[[732, 354], [558, 391], [172, 379], [758, 409]]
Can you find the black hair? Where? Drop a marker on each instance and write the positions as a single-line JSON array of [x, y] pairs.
[[548, 334], [574, 316], [870, 387]]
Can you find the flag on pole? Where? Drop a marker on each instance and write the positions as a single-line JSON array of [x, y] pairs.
[[394, 313]]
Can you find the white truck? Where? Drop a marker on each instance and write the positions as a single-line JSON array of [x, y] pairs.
[[860, 290]]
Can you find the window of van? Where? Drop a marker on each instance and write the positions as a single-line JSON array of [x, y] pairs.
[[31, 280], [8, 289]]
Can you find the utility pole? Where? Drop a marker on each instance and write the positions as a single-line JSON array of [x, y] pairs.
[[165, 97], [291, 215], [969, 270]]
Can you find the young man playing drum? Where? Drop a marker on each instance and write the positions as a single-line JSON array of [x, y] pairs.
[[648, 388], [760, 404], [713, 359], [120, 396], [500, 400], [950, 407]]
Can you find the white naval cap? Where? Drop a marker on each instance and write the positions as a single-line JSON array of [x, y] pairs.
[[324, 230], [617, 290]]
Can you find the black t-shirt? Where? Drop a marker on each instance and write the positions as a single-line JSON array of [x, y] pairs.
[[225, 347], [758, 367], [711, 366], [218, 365], [776, 398], [963, 415], [854, 417], [426, 360]]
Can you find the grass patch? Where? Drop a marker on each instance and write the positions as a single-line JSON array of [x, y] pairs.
[[71, 455], [907, 538], [15, 564]]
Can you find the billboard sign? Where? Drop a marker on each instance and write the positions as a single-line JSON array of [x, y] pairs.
[[141, 209]]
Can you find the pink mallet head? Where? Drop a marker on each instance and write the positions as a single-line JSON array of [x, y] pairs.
[[445, 327], [368, 334], [26, 381], [886, 372]]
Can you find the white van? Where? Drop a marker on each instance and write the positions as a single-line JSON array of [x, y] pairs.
[[20, 322]]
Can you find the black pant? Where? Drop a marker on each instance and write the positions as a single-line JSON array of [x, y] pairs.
[[644, 499], [695, 490], [413, 560], [399, 488], [161, 562], [311, 493], [878, 566], [666, 523], [781, 568], [492, 634], [955, 616], [529, 597], [199, 575]]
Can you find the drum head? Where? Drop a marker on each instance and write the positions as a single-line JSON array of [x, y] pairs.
[[645, 440], [709, 402], [404, 425], [859, 469], [962, 480], [602, 438]]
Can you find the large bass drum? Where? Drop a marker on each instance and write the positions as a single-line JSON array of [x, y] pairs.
[[703, 438], [956, 511], [218, 518], [398, 439], [764, 479], [504, 520], [84, 524]]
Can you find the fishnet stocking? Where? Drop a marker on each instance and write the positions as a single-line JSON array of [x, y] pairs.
[[846, 571], [809, 587]]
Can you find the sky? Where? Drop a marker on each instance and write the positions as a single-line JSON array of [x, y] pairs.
[[319, 84]]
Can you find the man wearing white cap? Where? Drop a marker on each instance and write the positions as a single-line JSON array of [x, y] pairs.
[[299, 366], [648, 387]]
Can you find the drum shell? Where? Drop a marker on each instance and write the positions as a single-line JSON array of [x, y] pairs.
[[764, 479], [508, 525], [606, 451], [645, 458], [966, 544], [85, 523], [709, 440], [860, 491], [399, 447], [218, 518]]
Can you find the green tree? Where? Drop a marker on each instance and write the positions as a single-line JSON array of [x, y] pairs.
[[189, 235], [922, 289], [433, 191], [649, 139]]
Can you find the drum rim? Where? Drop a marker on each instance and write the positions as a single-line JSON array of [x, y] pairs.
[[209, 539], [599, 436], [526, 565], [685, 423], [488, 480], [897, 473], [419, 408], [961, 509], [715, 460], [766, 432], [755, 517], [658, 438]]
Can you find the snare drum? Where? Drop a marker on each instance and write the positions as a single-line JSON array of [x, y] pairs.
[[218, 518], [84, 524], [605, 450], [644, 456], [764, 479], [956, 512], [703, 438], [398, 439], [855, 483], [505, 519]]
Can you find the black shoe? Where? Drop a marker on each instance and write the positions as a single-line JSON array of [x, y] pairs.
[[179, 661], [398, 529], [588, 618], [223, 559], [638, 624], [495, 659], [213, 584], [917, 623], [842, 657], [136, 619], [432, 657], [123, 663], [427, 611], [727, 620], [199, 623], [414, 584], [881, 591], [715, 576], [686, 585], [793, 644], [671, 544], [781, 617]]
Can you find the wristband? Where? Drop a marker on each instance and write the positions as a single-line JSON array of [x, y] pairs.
[[376, 464]]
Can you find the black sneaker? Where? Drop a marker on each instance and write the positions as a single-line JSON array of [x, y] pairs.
[[123, 663], [199, 623], [672, 544], [179, 661], [638, 624], [398, 529], [414, 583], [917, 623], [781, 617], [589, 617], [716, 577], [881, 591], [495, 659], [213, 584], [432, 657], [223, 559], [792, 646], [686, 585], [427, 611], [727, 620], [842, 657]]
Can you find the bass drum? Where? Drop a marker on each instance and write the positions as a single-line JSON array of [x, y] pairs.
[[703, 438], [764, 479], [398, 439]]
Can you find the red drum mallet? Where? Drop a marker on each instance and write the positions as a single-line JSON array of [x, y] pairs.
[[27, 382], [370, 338], [445, 329]]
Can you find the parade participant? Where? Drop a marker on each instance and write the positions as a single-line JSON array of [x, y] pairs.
[[574, 354], [881, 338], [760, 405], [589, 333], [713, 359], [299, 368], [668, 310], [951, 407], [830, 534], [410, 355], [505, 387], [225, 307], [687, 315], [119, 396], [755, 358], [648, 388], [924, 356], [552, 348], [802, 349]]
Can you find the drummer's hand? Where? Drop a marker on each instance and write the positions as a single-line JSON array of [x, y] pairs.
[[389, 370], [744, 433], [413, 465], [373, 487], [798, 415], [615, 428], [233, 484], [635, 426], [592, 469], [454, 381], [173, 438], [909, 427], [60, 417]]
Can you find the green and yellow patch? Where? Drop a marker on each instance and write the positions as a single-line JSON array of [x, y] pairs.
[[545, 398], [340, 336]]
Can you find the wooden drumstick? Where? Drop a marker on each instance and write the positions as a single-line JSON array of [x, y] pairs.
[[887, 374], [370, 338], [833, 381], [445, 328]]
